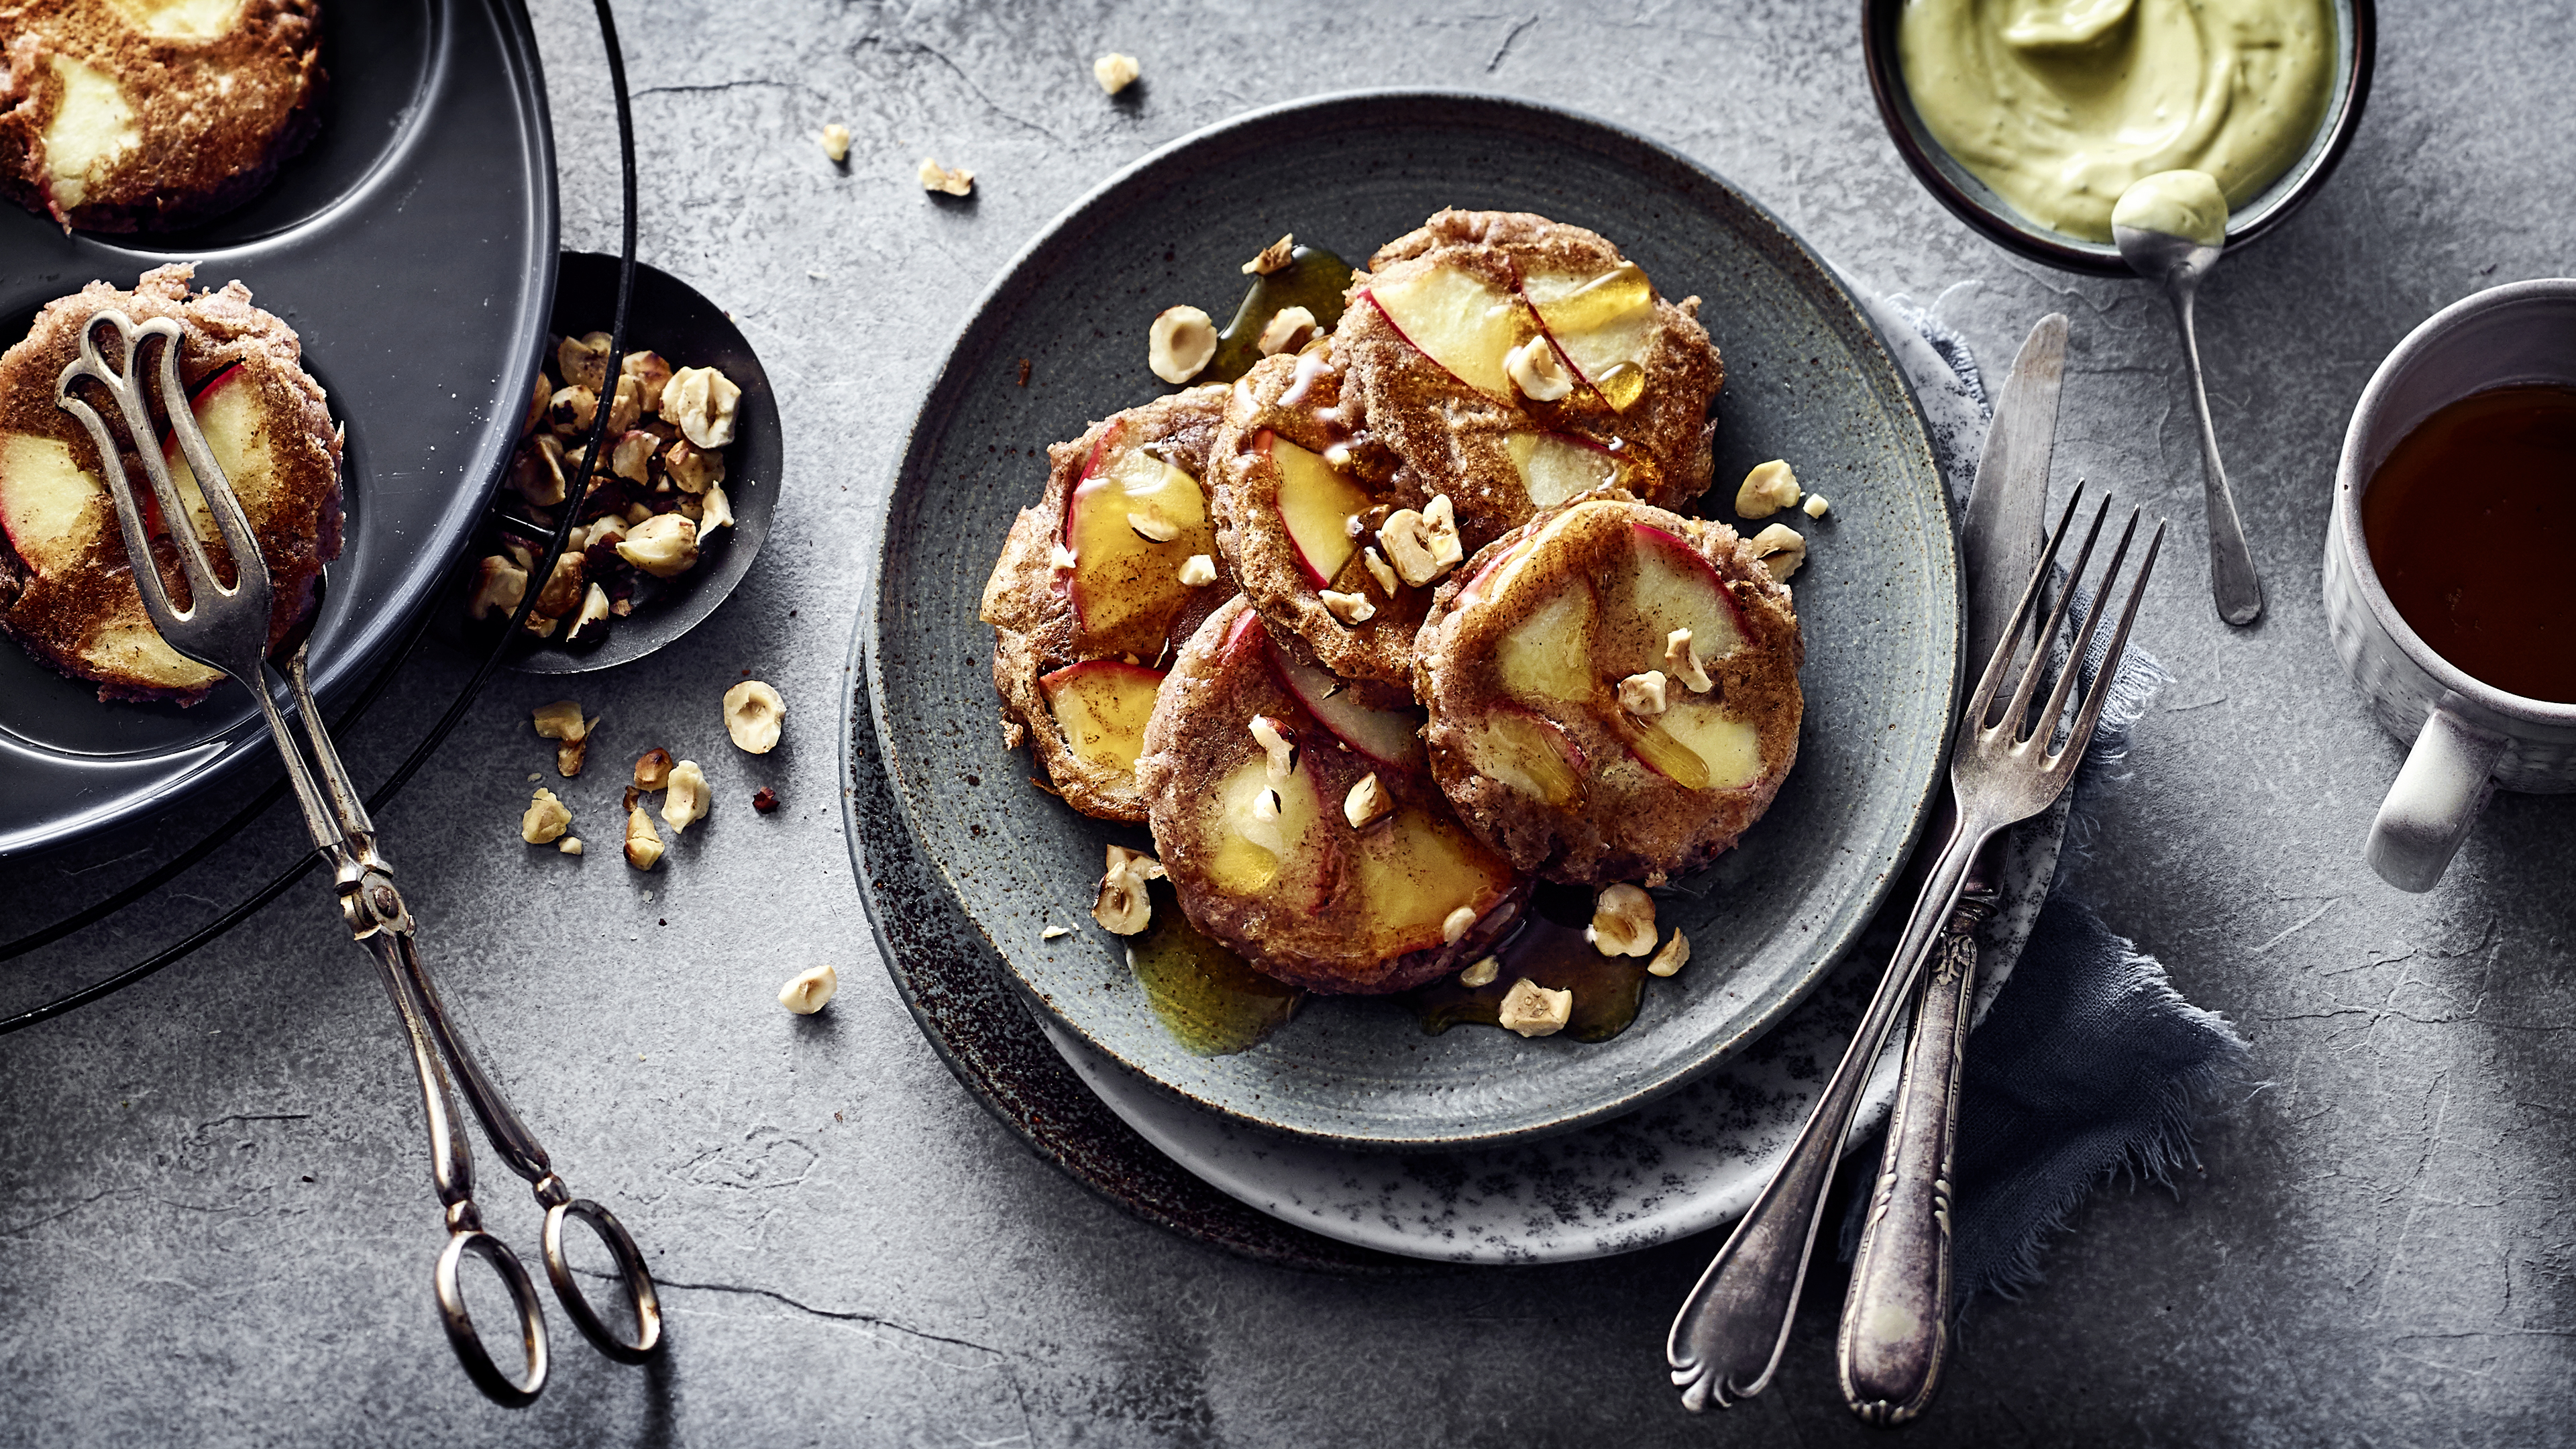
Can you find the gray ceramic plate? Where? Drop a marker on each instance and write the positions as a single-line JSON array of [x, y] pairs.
[[1808, 379]]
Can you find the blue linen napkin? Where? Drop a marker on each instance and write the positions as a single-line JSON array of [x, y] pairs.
[[2086, 1064]]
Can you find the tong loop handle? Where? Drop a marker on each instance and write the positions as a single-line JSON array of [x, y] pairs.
[[497, 1384], [642, 1301]]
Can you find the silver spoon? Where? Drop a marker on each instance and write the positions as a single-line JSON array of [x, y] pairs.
[[2177, 263]]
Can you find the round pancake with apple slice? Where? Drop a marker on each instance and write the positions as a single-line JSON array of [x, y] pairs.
[[1300, 826], [66, 588], [1512, 363], [1613, 692], [118, 115], [1302, 492], [1098, 586]]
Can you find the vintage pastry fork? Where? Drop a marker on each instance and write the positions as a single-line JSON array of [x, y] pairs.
[[1727, 1340], [227, 629]]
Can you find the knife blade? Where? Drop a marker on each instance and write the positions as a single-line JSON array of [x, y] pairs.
[[1894, 1340]]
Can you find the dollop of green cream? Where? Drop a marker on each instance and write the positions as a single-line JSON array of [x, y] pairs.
[[2185, 203], [2062, 105]]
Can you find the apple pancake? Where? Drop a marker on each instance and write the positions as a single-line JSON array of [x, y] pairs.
[[1098, 586], [1300, 827], [1613, 692], [66, 588], [126, 115], [1512, 363]]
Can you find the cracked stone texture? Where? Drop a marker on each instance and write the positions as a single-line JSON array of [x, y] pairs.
[[215, 1223]]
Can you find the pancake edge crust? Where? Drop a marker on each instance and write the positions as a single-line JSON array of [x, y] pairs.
[[1653, 828]]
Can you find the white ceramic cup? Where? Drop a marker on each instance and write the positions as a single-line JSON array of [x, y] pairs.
[[2471, 738]]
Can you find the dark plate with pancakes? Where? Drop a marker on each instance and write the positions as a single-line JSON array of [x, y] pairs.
[[426, 193], [1807, 377]]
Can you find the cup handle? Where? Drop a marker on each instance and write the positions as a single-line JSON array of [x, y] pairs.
[[2444, 784]]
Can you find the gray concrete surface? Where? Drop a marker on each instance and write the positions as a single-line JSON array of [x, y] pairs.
[[214, 1221]]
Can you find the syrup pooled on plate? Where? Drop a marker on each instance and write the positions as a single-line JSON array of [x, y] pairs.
[[2471, 524], [1210, 1001], [1314, 279], [1550, 949]]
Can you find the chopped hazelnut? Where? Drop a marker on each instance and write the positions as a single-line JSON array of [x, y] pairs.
[[954, 181], [1368, 803], [1623, 922], [1123, 906], [625, 405], [569, 757], [836, 142], [685, 797], [1455, 925], [561, 720], [1769, 488], [1781, 550], [540, 394], [637, 513], [764, 799], [498, 584], [810, 991], [701, 402], [652, 770], [632, 458], [752, 711], [1379, 569], [715, 512], [1151, 526], [537, 473], [569, 845], [643, 842], [1289, 329], [1643, 694], [1179, 343], [1683, 660], [563, 587], [547, 818], [1281, 750], [1115, 72], [1197, 571], [594, 610], [1537, 371], [572, 408], [1060, 557], [1815, 505], [1482, 973], [1425, 545], [1440, 529], [1670, 959], [1053, 932], [664, 545], [583, 361], [1273, 257], [651, 374], [1533, 1010], [692, 469], [1351, 609]]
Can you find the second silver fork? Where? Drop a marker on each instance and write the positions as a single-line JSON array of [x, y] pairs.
[[1727, 1340]]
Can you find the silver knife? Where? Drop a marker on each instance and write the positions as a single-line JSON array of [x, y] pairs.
[[1895, 1336]]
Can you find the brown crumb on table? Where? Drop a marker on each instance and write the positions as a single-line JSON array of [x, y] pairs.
[[764, 799], [1024, 372]]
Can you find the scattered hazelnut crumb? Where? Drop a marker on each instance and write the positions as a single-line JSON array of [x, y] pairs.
[[1781, 550], [643, 842], [1815, 505], [1623, 921], [652, 771], [499, 585], [1537, 371], [569, 756], [1060, 557], [546, 819], [1024, 372], [1151, 526], [1288, 330], [1351, 609], [1482, 973], [1683, 660], [1281, 750], [534, 777], [1367, 803], [1379, 569], [685, 797], [569, 845], [1273, 257], [1197, 571], [1670, 959], [1766, 490], [561, 720], [836, 142], [808, 992], [935, 177], [1533, 1010], [764, 799], [1455, 926], [1124, 907], [1643, 694], [1054, 932], [1115, 72], [1180, 343], [752, 711]]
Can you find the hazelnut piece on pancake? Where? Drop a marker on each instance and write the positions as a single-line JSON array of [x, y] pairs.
[[1094, 593], [66, 589], [1301, 493], [1521, 666], [126, 115], [1514, 362], [1255, 821]]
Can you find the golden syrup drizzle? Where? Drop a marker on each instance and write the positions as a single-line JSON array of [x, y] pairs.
[[1314, 279], [1210, 1001], [1550, 950]]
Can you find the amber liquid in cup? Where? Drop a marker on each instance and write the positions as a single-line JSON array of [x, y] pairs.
[[2471, 525]]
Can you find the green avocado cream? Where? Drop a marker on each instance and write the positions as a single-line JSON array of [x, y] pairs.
[[2062, 105], [2187, 204]]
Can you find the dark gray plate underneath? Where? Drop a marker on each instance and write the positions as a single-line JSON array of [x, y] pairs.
[[1808, 380], [413, 249]]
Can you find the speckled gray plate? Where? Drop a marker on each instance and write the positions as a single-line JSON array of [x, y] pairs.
[[1808, 379]]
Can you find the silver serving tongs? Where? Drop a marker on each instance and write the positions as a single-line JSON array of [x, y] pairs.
[[226, 628]]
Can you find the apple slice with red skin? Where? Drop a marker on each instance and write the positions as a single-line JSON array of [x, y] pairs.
[[1125, 587], [228, 414], [1528, 752], [1102, 706], [1677, 588], [52, 508], [1391, 738], [1557, 466], [1463, 324], [1315, 505]]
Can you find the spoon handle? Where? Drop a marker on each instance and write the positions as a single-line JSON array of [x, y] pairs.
[[2232, 581]]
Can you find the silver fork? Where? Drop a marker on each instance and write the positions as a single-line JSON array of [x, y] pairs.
[[1727, 1340], [226, 628]]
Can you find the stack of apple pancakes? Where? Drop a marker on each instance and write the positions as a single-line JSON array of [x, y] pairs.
[[1453, 638], [67, 591]]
